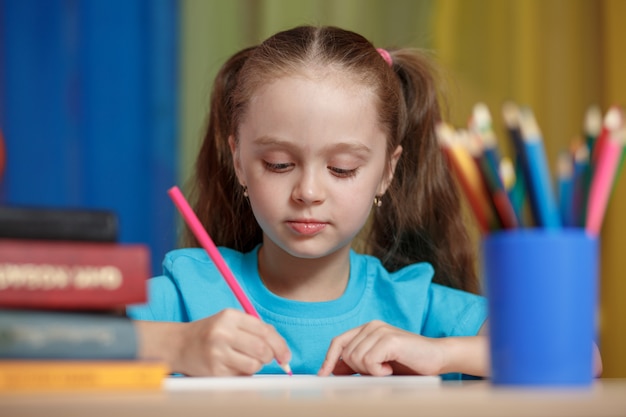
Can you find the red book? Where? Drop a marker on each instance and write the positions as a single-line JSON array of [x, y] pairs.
[[72, 275]]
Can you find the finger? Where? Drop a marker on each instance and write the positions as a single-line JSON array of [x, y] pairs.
[[375, 360], [226, 349], [252, 345], [335, 350], [238, 364], [342, 368], [270, 344], [362, 342], [370, 352]]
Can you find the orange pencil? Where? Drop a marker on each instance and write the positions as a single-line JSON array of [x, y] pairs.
[[468, 177]]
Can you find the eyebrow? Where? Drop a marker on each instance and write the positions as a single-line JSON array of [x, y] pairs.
[[347, 147]]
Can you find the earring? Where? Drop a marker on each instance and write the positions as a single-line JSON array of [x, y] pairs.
[[245, 191], [378, 201]]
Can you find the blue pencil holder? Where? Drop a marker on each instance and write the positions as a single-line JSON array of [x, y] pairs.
[[542, 291]]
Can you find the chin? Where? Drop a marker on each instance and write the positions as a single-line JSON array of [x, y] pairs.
[[306, 254], [310, 250]]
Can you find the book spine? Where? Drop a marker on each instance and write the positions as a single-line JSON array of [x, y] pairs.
[[31, 376], [32, 334], [72, 275], [58, 224]]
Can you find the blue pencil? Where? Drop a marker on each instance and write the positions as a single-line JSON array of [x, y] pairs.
[[519, 195], [580, 188], [481, 125], [547, 212], [565, 187]]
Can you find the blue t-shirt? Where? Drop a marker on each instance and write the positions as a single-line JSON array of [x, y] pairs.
[[192, 288]]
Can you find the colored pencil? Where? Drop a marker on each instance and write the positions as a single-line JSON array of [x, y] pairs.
[[565, 187], [513, 185], [468, 177], [507, 173], [580, 184], [502, 203], [510, 115], [587, 174], [481, 124], [611, 119], [592, 128], [207, 243], [608, 159], [545, 210]]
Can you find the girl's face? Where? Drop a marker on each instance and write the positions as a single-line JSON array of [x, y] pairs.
[[312, 155]]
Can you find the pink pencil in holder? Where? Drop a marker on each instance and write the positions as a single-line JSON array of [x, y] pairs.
[[207, 243], [605, 173]]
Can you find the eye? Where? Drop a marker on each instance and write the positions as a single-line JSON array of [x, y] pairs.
[[278, 167], [343, 173]]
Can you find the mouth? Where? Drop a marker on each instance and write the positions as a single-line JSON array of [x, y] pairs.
[[307, 227]]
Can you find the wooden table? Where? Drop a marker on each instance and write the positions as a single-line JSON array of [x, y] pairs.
[[607, 397]]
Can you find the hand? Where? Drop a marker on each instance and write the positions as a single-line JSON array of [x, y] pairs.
[[228, 343], [378, 348], [597, 361]]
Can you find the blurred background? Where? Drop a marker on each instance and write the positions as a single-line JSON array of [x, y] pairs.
[[102, 102]]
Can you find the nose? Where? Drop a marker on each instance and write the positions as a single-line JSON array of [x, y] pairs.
[[309, 189]]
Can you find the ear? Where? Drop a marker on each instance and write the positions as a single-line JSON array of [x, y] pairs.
[[384, 183], [234, 150]]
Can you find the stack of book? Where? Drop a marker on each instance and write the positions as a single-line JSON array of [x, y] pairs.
[[64, 285]]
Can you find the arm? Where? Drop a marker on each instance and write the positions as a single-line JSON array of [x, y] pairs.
[[228, 343], [160, 341], [467, 355], [380, 349]]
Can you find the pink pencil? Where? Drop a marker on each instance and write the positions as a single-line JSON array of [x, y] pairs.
[[603, 178], [207, 243]]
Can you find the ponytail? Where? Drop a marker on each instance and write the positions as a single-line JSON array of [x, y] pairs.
[[422, 219], [215, 193]]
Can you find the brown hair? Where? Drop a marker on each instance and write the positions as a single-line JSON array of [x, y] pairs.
[[421, 217]]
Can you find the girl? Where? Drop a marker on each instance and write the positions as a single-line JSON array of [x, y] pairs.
[[315, 137]]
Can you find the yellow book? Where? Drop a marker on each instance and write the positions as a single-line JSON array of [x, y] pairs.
[[62, 375]]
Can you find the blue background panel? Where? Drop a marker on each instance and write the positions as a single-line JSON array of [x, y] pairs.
[[88, 99]]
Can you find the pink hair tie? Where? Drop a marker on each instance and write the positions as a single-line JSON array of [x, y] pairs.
[[386, 56]]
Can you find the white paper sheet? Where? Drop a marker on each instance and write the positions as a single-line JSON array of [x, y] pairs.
[[295, 382]]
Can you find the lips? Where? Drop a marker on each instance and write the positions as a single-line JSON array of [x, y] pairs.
[[307, 227]]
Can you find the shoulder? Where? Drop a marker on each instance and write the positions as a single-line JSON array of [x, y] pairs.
[[190, 259], [421, 271], [199, 254], [400, 298], [455, 312], [192, 270], [193, 284], [411, 283], [446, 311]]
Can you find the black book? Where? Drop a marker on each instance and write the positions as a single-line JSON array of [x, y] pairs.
[[45, 223]]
